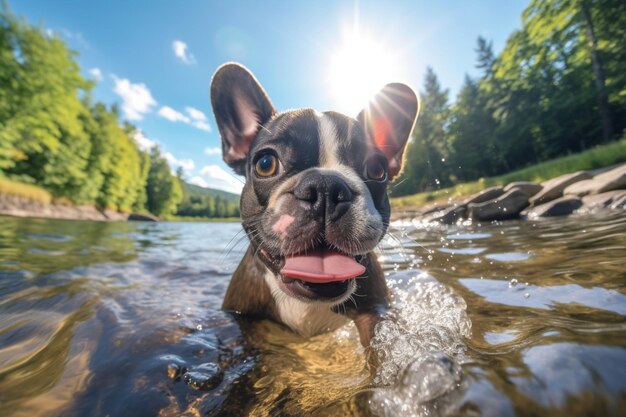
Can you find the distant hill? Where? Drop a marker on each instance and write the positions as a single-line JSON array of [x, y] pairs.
[[211, 192]]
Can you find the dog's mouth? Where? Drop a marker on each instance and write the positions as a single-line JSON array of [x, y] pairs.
[[321, 273], [321, 266]]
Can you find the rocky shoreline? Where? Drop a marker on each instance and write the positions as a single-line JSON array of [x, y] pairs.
[[582, 191], [18, 206]]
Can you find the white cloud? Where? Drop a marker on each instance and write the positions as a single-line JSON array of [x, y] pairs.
[[195, 113], [143, 142], [199, 119], [196, 118], [217, 178], [199, 124], [136, 98], [96, 74], [199, 181], [172, 115], [185, 164], [180, 50], [213, 151]]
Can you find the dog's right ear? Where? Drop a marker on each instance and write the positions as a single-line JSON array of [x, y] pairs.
[[241, 107]]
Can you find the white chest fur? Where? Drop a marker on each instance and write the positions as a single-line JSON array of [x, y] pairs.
[[307, 319]]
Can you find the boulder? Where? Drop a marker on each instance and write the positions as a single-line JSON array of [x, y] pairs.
[[449, 215], [613, 179], [610, 199], [142, 217], [560, 207], [484, 195], [553, 189], [507, 206], [527, 187]]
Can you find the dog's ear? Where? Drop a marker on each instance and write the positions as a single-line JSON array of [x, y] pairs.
[[388, 120], [241, 107]]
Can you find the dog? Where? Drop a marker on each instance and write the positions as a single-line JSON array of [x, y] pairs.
[[314, 205]]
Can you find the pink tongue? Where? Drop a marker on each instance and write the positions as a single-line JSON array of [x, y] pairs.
[[322, 266]]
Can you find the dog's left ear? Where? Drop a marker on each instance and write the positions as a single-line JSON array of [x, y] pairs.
[[241, 107], [388, 120]]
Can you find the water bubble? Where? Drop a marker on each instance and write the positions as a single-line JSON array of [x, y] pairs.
[[526, 294], [513, 282], [199, 327]]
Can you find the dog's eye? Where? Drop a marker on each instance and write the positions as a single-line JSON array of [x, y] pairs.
[[266, 165], [375, 170]]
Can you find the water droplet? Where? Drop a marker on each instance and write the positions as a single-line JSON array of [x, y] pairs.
[[526, 294], [513, 283], [199, 327]]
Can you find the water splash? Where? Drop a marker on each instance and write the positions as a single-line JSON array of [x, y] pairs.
[[420, 347]]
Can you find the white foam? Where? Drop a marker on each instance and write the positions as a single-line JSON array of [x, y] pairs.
[[420, 347]]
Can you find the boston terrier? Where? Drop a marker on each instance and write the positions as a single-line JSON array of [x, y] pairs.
[[314, 204]]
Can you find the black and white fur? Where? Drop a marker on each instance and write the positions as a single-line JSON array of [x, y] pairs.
[[321, 196]]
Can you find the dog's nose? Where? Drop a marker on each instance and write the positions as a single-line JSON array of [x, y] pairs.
[[326, 193]]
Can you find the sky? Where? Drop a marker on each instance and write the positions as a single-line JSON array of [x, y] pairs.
[[155, 58]]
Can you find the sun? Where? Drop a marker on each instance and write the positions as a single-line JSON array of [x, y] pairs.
[[358, 68]]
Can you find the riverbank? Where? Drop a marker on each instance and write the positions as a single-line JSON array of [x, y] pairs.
[[593, 159], [576, 192], [26, 200], [21, 206]]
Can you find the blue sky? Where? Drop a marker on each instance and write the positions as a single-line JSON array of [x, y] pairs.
[[155, 58]]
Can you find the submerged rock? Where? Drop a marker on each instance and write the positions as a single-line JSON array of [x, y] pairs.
[[175, 371], [527, 187], [203, 377], [606, 181], [505, 207], [553, 189], [560, 207]]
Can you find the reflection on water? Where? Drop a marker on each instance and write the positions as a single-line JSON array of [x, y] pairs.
[[518, 318]]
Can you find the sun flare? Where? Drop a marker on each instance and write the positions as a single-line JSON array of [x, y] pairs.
[[358, 68]]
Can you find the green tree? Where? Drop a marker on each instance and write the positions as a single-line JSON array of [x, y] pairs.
[[428, 148], [42, 139], [164, 190]]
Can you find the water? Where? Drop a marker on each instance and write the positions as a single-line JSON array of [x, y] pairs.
[[123, 319]]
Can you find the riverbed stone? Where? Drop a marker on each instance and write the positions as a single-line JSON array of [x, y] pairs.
[[553, 189], [559, 207], [527, 187], [203, 377], [610, 199], [613, 179], [484, 195], [507, 206]]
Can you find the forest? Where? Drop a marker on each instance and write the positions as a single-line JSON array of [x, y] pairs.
[[558, 87], [53, 135]]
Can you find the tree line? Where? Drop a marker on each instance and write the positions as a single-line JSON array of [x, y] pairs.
[[557, 87], [52, 133]]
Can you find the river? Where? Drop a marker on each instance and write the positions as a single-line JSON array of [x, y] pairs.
[[514, 318]]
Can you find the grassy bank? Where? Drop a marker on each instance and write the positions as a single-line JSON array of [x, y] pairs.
[[598, 157], [29, 191]]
